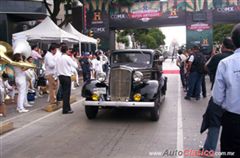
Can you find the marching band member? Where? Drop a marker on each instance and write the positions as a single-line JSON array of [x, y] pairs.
[[21, 83]]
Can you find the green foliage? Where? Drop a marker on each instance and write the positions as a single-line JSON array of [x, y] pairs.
[[122, 38], [148, 41], [151, 38], [220, 31], [157, 35]]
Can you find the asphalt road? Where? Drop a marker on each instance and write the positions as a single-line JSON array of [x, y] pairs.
[[114, 134]]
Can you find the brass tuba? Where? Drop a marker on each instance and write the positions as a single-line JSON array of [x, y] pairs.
[[6, 51]]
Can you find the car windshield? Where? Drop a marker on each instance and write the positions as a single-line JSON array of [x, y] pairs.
[[137, 59]]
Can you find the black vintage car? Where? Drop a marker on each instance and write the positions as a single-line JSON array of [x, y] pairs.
[[135, 80]]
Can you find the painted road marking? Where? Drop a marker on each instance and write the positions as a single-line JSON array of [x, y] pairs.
[[179, 121], [33, 122], [22, 114]]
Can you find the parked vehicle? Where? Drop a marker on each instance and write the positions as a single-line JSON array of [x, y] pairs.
[[135, 80]]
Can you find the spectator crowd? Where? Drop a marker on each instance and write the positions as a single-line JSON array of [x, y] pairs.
[[53, 68], [223, 110]]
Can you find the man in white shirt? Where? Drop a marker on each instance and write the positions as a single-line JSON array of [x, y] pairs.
[[64, 71], [59, 88], [50, 72], [97, 65], [104, 61], [180, 62], [226, 90]]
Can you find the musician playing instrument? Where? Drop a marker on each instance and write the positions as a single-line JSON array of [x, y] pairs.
[[21, 49], [21, 83]]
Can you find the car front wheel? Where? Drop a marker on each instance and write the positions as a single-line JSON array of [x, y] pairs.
[[155, 111], [91, 112]]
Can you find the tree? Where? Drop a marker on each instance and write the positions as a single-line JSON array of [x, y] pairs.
[[221, 30], [148, 41], [56, 8], [122, 38], [150, 38], [157, 35]]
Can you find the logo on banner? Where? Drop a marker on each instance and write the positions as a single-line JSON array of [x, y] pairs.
[[205, 42], [228, 9], [119, 16], [97, 18], [98, 29], [173, 13]]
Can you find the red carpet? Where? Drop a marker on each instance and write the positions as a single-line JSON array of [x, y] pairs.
[[170, 71]]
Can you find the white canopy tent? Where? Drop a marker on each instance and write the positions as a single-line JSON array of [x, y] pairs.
[[46, 31], [83, 38]]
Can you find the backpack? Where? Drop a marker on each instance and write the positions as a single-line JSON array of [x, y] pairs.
[[199, 62]]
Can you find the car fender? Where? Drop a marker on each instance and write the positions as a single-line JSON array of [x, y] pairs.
[[87, 89], [150, 90]]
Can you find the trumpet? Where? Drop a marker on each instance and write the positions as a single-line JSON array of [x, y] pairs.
[[6, 51]]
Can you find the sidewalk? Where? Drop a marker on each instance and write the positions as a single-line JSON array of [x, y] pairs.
[[35, 112]]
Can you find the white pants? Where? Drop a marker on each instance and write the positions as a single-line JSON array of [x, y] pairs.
[[22, 92]]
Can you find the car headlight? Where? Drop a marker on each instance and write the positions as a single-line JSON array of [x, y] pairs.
[[137, 76], [101, 77]]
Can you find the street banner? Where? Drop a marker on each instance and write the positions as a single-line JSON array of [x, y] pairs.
[[200, 31], [97, 21], [147, 14], [226, 11]]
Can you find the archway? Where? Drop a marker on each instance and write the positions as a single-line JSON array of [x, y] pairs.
[[103, 17]]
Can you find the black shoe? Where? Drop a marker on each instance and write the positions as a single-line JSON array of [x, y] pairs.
[[187, 98], [68, 112], [197, 98]]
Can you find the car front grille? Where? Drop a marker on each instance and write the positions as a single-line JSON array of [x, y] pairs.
[[120, 84]]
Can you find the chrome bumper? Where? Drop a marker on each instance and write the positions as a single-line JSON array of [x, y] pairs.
[[118, 104]]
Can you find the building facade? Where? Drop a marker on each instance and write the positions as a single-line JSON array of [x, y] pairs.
[[15, 16]]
